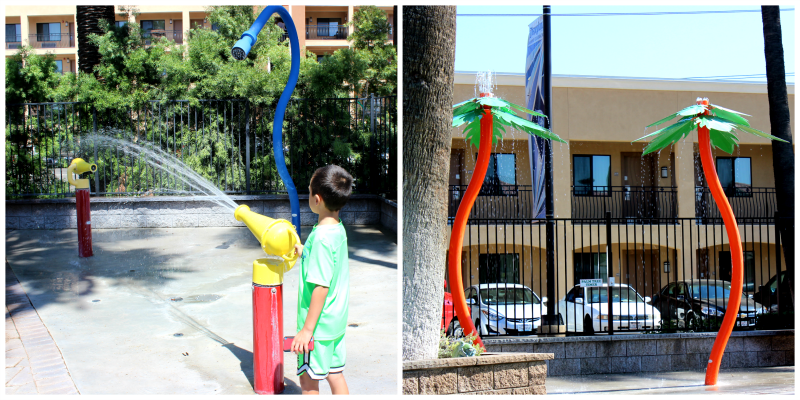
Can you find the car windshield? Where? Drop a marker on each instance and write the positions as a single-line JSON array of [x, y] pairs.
[[620, 295], [504, 296], [710, 290]]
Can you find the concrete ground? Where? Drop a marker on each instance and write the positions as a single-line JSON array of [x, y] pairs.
[[114, 321], [763, 380]]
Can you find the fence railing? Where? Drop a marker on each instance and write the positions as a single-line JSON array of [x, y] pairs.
[[51, 40], [326, 32], [150, 36], [632, 204], [13, 42], [667, 277], [494, 201], [228, 142], [751, 203]]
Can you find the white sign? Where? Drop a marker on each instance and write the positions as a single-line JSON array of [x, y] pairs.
[[591, 282]]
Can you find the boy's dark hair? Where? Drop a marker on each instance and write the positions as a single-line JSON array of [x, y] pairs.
[[333, 184]]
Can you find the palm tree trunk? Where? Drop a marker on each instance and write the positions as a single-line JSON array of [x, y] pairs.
[[88, 21], [460, 224], [782, 153], [428, 57], [737, 261]]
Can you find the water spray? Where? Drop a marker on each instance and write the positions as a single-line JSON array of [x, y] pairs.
[[78, 166]]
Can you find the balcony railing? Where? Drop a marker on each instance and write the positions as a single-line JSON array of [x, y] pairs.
[[13, 42], [494, 201], [326, 32], [749, 203], [631, 204], [151, 36], [51, 40]]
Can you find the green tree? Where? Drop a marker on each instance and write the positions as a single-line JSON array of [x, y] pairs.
[[30, 77]]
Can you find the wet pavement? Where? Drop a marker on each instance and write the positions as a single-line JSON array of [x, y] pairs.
[[120, 327], [763, 380]]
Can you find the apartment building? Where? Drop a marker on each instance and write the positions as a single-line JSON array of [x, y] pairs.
[[664, 225], [51, 29]]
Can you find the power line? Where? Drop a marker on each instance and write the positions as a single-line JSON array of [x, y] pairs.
[[736, 76], [621, 14]]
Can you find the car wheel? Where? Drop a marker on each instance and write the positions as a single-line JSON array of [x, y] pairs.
[[478, 329], [691, 322], [588, 327], [455, 330]]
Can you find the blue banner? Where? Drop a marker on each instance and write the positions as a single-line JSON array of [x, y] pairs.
[[534, 100]]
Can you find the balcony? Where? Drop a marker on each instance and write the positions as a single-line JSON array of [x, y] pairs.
[[13, 42], [51, 40], [151, 36], [326, 32], [494, 201], [631, 204], [751, 205]]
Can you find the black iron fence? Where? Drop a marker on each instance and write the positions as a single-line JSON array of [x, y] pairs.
[[494, 201], [629, 204], [51, 40], [666, 277], [228, 142], [752, 203], [326, 32]]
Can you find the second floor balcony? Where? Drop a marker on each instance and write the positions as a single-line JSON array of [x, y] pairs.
[[633, 204], [326, 32], [751, 205], [13, 42], [50, 40]]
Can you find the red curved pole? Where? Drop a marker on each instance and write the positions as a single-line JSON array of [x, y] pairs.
[[737, 267], [460, 224]]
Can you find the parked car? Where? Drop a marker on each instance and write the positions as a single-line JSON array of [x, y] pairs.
[[585, 309], [502, 309], [767, 295], [690, 302]]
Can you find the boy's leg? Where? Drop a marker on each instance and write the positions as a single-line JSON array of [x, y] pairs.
[[338, 384], [308, 385]]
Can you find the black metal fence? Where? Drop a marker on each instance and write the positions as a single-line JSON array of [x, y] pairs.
[[494, 201], [631, 204], [228, 142], [666, 277], [757, 204]]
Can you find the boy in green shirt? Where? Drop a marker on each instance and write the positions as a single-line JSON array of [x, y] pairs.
[[324, 285]]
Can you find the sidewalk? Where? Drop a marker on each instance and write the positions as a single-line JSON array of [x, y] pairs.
[[169, 311], [763, 380], [34, 364]]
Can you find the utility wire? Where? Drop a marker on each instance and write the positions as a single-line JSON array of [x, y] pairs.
[[621, 14]]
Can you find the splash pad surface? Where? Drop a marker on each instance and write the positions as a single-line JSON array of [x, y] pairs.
[[153, 284]]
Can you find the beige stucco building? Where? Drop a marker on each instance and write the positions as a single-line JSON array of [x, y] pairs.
[[51, 29], [664, 228]]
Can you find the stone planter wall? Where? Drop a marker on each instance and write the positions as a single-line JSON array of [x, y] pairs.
[[497, 373], [626, 353], [175, 212], [389, 214]]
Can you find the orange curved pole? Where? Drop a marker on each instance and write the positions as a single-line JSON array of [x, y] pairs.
[[737, 267], [460, 224]]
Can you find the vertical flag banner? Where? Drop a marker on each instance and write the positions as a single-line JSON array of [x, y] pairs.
[[534, 100]]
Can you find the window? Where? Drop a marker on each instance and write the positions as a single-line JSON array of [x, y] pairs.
[[120, 24], [734, 175], [48, 32], [150, 25], [590, 266], [498, 268], [214, 27], [591, 175], [575, 293], [501, 173], [328, 26], [13, 33], [59, 66]]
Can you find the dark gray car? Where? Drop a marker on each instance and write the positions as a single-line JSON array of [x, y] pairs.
[[690, 302]]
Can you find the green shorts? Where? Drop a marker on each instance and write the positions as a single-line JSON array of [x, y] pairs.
[[328, 357]]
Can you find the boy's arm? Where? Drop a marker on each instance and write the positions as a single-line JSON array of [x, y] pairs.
[[300, 342]]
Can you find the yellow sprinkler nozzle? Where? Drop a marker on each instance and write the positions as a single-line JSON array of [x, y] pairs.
[[79, 166], [277, 236]]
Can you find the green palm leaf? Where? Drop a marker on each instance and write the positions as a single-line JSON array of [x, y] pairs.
[[730, 116], [728, 110], [466, 108], [757, 132], [691, 110], [715, 123], [491, 101], [676, 125], [523, 109], [722, 140], [528, 126], [670, 135]]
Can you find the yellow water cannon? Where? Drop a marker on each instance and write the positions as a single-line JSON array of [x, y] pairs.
[[277, 237], [79, 166]]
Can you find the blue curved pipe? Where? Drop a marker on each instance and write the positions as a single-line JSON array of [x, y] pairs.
[[239, 52]]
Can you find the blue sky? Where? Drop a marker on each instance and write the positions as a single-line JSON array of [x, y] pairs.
[[663, 46]]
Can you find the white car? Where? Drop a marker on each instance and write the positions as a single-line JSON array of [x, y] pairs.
[[585, 309], [504, 308]]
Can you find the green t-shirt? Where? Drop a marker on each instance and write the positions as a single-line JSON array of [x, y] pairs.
[[325, 263]]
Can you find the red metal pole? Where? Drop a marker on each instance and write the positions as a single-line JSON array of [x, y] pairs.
[[268, 339], [737, 267], [460, 223], [84, 223]]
